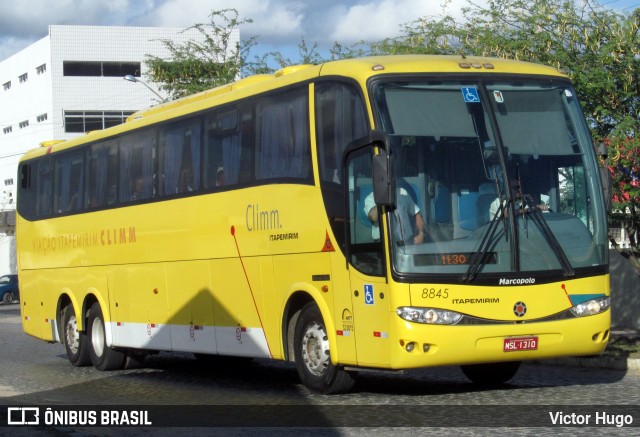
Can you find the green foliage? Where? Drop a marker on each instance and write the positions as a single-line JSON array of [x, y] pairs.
[[197, 66], [306, 55]]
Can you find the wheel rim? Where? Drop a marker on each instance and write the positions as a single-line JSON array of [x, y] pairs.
[[97, 337], [72, 336], [315, 349]]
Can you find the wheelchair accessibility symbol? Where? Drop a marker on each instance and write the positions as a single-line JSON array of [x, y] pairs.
[[368, 294], [470, 95]]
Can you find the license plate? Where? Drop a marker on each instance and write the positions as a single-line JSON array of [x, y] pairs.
[[520, 344]]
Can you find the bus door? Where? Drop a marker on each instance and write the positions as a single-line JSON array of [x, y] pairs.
[[366, 265]]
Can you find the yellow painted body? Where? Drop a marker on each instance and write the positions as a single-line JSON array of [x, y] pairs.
[[170, 272]]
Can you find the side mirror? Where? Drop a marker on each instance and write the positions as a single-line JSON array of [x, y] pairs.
[[384, 183]]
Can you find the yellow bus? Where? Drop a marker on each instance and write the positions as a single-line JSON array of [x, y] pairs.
[[378, 213]]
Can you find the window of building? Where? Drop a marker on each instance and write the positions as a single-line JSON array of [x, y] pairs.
[[114, 118], [23, 124], [8, 182], [7, 129], [85, 121], [93, 120], [120, 69], [42, 117], [41, 69], [23, 77], [100, 69], [6, 86]]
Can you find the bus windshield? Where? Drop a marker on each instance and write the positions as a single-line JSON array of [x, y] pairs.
[[493, 177]]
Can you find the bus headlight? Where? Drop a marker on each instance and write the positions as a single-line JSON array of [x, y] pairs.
[[432, 316], [591, 307]]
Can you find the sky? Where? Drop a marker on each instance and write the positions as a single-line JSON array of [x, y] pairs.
[[278, 24]]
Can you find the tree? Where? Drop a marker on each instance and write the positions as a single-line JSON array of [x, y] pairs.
[[597, 47], [194, 66], [197, 66]]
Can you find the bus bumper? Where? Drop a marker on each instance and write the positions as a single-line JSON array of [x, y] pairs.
[[418, 345]]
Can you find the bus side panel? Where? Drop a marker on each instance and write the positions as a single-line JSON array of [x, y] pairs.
[[272, 304], [307, 273], [30, 303], [139, 301], [191, 307], [343, 312], [239, 330]]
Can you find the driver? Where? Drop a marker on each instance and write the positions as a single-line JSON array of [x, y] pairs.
[[406, 209]]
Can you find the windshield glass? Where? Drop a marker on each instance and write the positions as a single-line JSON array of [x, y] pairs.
[[492, 177]]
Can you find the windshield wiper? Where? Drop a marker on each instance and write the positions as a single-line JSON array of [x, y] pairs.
[[534, 212], [478, 259]]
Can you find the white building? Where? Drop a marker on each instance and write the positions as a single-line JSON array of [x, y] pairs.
[[65, 84]]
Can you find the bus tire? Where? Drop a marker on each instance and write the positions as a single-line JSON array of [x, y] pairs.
[[491, 373], [75, 342], [311, 352], [102, 356]]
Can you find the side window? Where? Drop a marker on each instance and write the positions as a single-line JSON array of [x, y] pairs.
[[229, 144], [180, 147], [365, 246], [340, 119], [26, 190], [69, 178], [102, 175], [44, 188], [137, 163], [283, 137]]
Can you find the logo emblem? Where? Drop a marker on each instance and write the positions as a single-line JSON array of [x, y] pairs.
[[23, 416], [520, 309]]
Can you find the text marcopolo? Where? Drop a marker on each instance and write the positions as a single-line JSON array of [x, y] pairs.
[[516, 281]]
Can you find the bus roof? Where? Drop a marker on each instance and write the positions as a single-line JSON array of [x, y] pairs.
[[360, 69]]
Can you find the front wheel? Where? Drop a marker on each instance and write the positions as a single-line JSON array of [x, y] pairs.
[[75, 342], [311, 351], [491, 373], [7, 298], [102, 356]]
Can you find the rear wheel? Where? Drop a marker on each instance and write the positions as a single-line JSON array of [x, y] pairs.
[[102, 356], [7, 297], [491, 373], [311, 351], [75, 342]]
